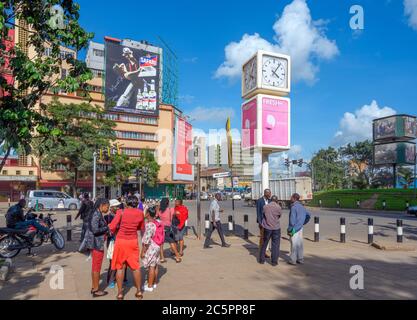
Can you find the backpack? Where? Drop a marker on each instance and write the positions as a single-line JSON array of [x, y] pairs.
[[308, 217], [159, 236]]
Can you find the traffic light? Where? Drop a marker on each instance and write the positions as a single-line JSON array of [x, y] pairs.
[[300, 162], [287, 162]]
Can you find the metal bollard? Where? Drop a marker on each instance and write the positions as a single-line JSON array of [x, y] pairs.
[[342, 230], [338, 203], [8, 201], [407, 205], [358, 203], [37, 205], [370, 230], [384, 204], [399, 231], [207, 223], [230, 224], [245, 226], [69, 227], [320, 203], [186, 227], [316, 229]]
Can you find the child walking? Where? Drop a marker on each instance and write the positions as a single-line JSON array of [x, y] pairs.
[[152, 240]]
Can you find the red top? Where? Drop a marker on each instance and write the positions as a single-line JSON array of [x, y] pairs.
[[166, 217], [182, 214], [132, 221]]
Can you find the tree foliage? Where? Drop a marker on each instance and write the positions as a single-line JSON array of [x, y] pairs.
[[21, 111], [84, 131]]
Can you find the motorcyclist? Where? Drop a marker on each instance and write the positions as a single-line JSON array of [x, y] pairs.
[[15, 218]]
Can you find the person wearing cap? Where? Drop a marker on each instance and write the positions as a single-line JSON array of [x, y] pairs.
[[111, 274]]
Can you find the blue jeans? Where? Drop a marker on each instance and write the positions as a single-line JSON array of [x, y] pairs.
[[275, 236], [33, 223]]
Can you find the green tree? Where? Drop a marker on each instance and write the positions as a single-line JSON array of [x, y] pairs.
[[407, 174], [122, 167], [328, 169], [84, 130], [21, 111], [147, 162]]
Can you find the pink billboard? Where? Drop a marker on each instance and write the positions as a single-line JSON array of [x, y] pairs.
[[275, 122], [249, 123]]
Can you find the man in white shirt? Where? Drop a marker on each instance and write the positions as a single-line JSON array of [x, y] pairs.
[[215, 222]]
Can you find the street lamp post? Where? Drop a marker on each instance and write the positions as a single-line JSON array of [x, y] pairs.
[[94, 174], [198, 165]]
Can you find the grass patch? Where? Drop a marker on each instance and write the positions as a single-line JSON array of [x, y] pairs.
[[395, 199]]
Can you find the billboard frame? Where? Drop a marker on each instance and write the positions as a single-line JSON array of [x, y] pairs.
[[394, 138], [397, 162]]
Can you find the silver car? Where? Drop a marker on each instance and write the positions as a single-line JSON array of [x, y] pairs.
[[51, 199]]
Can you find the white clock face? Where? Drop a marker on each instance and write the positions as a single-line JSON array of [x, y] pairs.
[[250, 72], [274, 72]]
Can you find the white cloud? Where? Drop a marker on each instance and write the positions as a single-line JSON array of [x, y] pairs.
[[187, 98], [357, 126], [295, 151], [296, 34], [410, 10], [215, 114]]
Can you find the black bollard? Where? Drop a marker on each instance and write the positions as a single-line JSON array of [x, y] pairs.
[[370, 230], [342, 230], [245, 226], [207, 223], [316, 229], [399, 231], [69, 227], [230, 219]]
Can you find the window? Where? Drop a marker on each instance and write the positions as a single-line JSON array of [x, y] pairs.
[[136, 135], [4, 172], [23, 160], [111, 116], [38, 194], [131, 119], [97, 73], [98, 53], [31, 173], [18, 172]]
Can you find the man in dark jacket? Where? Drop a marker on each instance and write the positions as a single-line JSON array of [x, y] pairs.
[[259, 215], [15, 218], [84, 212]]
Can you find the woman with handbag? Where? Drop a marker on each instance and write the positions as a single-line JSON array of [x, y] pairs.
[[126, 248], [95, 236], [165, 214]]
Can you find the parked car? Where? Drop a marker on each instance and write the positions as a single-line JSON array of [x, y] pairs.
[[412, 210], [50, 199], [237, 196], [204, 196]]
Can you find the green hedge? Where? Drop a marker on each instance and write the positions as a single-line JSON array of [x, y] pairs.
[[395, 199]]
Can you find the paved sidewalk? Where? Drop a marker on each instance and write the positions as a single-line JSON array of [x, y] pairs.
[[232, 273]]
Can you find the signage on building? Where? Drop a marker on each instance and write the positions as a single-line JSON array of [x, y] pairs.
[[266, 123], [183, 143], [221, 175], [132, 79]]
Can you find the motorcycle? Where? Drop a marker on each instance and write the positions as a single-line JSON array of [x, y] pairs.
[[12, 241]]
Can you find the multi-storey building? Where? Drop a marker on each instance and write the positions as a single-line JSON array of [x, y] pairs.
[[134, 133]]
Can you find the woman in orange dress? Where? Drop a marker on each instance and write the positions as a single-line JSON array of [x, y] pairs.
[[126, 224]]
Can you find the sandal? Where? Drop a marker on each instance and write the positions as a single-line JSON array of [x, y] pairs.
[[178, 260], [162, 261], [139, 295], [98, 293], [120, 296]]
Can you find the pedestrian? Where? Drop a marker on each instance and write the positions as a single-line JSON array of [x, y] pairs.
[[95, 242], [180, 217], [215, 222], [259, 215], [151, 242], [127, 222], [84, 213], [272, 230], [298, 217], [111, 274], [165, 215]]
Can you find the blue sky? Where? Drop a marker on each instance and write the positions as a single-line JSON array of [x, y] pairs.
[[367, 74]]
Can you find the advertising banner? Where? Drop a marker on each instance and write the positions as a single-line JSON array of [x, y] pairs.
[[249, 123], [182, 169], [132, 79], [275, 122], [394, 153], [266, 123], [398, 127]]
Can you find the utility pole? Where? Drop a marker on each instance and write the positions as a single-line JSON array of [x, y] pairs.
[[415, 176], [198, 165], [94, 174]]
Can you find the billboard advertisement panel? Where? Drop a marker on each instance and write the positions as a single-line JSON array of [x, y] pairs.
[[394, 153], [275, 122], [132, 79], [266, 123], [182, 170], [394, 128], [249, 123]]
